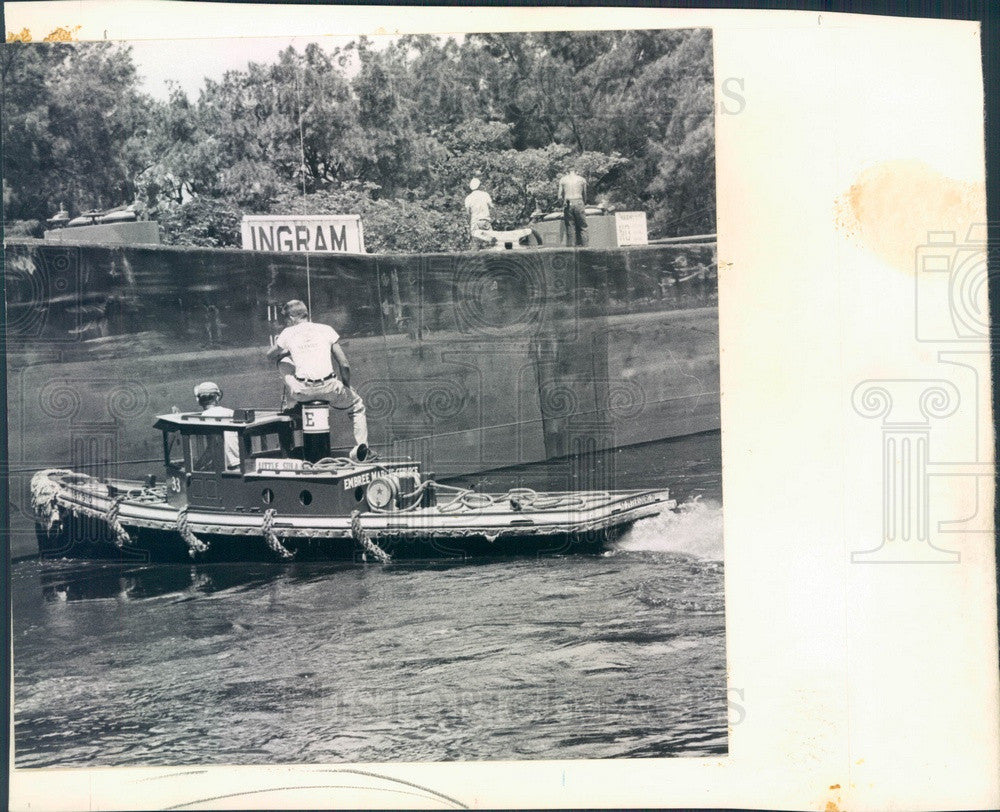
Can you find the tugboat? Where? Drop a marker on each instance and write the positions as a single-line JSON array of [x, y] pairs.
[[241, 488]]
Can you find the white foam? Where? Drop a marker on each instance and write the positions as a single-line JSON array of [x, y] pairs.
[[694, 528]]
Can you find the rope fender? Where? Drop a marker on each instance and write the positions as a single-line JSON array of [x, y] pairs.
[[111, 517], [44, 496], [195, 544], [366, 543], [271, 537]]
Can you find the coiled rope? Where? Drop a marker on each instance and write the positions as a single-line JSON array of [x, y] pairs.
[[271, 537], [330, 464], [466, 499], [147, 494], [111, 517], [195, 544], [369, 546]]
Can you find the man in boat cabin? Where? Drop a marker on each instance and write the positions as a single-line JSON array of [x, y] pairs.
[[312, 348], [208, 395]]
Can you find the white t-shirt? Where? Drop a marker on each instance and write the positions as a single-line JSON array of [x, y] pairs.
[[230, 438], [478, 203], [309, 345]]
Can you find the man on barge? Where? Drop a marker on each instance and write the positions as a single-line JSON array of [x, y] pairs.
[[312, 348], [479, 205], [573, 196]]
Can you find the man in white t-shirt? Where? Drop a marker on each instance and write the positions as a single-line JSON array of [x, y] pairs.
[[312, 348], [478, 204], [208, 395]]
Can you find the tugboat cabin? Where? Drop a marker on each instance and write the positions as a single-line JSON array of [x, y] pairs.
[[249, 462]]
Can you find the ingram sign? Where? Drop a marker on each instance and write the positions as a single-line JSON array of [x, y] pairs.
[[310, 233]]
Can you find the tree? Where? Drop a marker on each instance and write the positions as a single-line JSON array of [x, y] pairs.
[[202, 221], [69, 113], [393, 133]]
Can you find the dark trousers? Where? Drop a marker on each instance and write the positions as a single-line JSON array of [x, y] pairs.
[[574, 214]]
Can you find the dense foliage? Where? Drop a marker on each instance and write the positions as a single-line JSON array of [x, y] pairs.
[[391, 133]]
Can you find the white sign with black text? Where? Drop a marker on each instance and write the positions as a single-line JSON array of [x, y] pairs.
[[306, 233], [630, 228]]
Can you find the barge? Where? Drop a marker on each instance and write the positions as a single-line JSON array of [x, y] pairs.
[[250, 487]]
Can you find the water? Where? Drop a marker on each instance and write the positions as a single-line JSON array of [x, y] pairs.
[[619, 655]]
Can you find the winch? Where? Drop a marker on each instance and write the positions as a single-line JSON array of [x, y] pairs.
[[392, 490]]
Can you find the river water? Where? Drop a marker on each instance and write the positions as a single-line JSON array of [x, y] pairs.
[[616, 655]]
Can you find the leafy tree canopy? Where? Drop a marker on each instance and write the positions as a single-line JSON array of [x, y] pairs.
[[392, 133]]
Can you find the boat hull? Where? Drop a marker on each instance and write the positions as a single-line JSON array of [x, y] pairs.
[[82, 517], [89, 538]]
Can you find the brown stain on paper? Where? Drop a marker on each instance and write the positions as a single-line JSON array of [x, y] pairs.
[[893, 206], [61, 34], [833, 805]]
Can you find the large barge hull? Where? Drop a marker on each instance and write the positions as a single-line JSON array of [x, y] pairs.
[[468, 362]]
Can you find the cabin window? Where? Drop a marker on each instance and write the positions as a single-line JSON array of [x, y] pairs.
[[306, 497], [210, 451], [206, 452], [173, 451], [261, 444], [267, 496]]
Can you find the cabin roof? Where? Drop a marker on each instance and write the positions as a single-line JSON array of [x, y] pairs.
[[242, 420]]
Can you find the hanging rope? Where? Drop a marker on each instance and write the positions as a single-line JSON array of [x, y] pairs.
[[195, 544], [111, 517], [271, 537], [366, 543], [302, 170]]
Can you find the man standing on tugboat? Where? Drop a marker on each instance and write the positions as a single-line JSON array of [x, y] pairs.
[[312, 348]]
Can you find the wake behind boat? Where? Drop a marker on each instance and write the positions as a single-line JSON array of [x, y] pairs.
[[240, 488]]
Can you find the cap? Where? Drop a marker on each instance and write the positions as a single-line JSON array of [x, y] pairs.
[[203, 390], [474, 184]]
